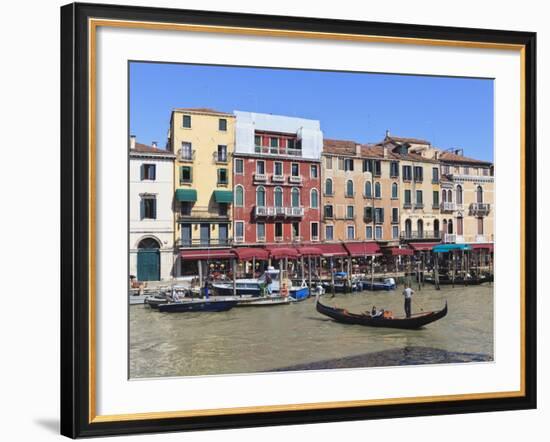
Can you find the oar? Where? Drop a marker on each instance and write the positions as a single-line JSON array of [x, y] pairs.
[[418, 305]]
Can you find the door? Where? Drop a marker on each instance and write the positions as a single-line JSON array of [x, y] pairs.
[[222, 234], [148, 265], [205, 234], [186, 235]]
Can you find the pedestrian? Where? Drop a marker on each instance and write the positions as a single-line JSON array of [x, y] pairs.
[[407, 293]]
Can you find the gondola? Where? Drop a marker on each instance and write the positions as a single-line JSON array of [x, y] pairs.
[[199, 305], [445, 280], [414, 322]]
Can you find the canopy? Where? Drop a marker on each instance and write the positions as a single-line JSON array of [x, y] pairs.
[[397, 251], [423, 246], [332, 250], [310, 251], [362, 248], [443, 248], [489, 246], [247, 253], [206, 254], [223, 196], [282, 252], [189, 195]]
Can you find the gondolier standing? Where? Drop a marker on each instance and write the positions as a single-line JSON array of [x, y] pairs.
[[407, 293]]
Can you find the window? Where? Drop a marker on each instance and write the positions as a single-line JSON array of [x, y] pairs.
[[419, 197], [420, 228], [329, 211], [313, 171], [435, 198], [418, 174], [394, 215], [394, 191], [148, 171], [278, 230], [185, 208], [186, 174], [186, 151], [328, 163], [407, 197], [348, 164], [378, 232], [257, 140], [295, 196], [394, 169], [295, 169], [260, 231], [460, 226], [485, 171], [449, 196], [349, 188], [274, 142], [295, 230], [222, 124], [408, 228], [222, 153], [368, 189], [479, 194], [368, 232], [379, 215], [367, 165], [278, 168], [314, 203], [239, 196], [369, 211], [436, 228], [222, 209], [239, 230], [340, 164], [377, 190], [315, 231], [407, 173], [459, 194], [328, 186], [222, 176], [466, 170], [239, 167], [350, 212], [260, 196], [186, 121], [329, 233], [290, 144], [148, 207], [435, 175], [446, 170], [278, 197], [395, 232], [480, 226], [260, 167], [351, 232], [377, 168]]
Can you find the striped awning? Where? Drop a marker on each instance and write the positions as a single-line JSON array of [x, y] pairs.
[[187, 195]]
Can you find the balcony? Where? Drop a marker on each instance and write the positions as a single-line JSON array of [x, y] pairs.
[[220, 157], [289, 212], [278, 239], [260, 177], [279, 151], [449, 238], [278, 178], [328, 215], [239, 239], [480, 209], [448, 207], [197, 214], [186, 155], [294, 212], [418, 205], [426, 234], [191, 243], [407, 205], [295, 179]]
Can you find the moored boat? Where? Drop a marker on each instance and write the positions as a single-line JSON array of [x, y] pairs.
[[384, 284], [264, 301], [198, 305]]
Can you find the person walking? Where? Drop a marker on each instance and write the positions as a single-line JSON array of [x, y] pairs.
[[407, 293]]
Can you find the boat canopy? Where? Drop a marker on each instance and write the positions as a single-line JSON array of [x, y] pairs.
[[188, 195], [444, 248], [362, 248], [247, 253]]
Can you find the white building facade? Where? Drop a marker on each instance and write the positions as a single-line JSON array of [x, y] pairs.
[[151, 216]]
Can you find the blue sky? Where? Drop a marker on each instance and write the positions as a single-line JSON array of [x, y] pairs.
[[449, 112]]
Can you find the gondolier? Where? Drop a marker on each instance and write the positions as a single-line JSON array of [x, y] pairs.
[[407, 293]]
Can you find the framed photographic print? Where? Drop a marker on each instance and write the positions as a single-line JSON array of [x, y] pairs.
[[279, 220]]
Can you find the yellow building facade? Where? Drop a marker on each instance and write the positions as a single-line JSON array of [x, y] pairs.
[[203, 141]]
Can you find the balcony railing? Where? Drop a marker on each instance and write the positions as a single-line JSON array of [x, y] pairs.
[[426, 234], [480, 209], [328, 215], [407, 205], [278, 178], [186, 155], [418, 205], [296, 179], [239, 239], [197, 242], [260, 177], [294, 211], [269, 211], [449, 238], [267, 150], [278, 239], [197, 213], [447, 206], [220, 157]]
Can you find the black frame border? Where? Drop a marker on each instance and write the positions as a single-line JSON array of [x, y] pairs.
[[75, 220]]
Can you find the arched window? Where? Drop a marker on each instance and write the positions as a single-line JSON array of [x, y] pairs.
[[479, 193], [278, 197], [368, 189], [377, 190], [444, 195], [295, 193], [449, 196], [408, 228], [436, 228], [148, 243], [328, 186], [445, 226], [420, 228], [450, 227], [349, 188], [459, 194], [314, 199], [260, 196], [394, 190], [239, 196]]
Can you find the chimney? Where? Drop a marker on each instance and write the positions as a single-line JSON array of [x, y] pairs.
[[436, 155], [459, 152], [385, 152], [132, 142], [358, 150], [387, 133], [154, 144]]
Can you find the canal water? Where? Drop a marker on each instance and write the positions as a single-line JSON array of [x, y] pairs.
[[297, 337]]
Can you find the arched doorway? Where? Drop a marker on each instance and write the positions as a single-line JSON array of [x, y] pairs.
[[408, 229], [420, 228], [436, 228], [148, 260]]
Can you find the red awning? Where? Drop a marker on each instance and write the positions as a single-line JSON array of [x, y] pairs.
[[362, 248], [489, 246], [206, 254], [397, 251], [310, 251], [422, 246], [282, 252], [332, 250], [247, 253]]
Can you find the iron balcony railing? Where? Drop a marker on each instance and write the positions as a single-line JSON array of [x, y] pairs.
[[220, 157], [480, 209], [204, 242], [286, 151], [186, 155], [447, 206], [270, 211], [426, 234], [418, 205]]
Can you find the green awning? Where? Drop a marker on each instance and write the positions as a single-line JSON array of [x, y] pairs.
[[189, 195], [223, 196], [444, 248]]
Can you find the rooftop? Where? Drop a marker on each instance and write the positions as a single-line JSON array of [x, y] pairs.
[[451, 157], [145, 148], [202, 111]]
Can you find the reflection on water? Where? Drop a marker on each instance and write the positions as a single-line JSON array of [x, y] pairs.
[[245, 340]]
